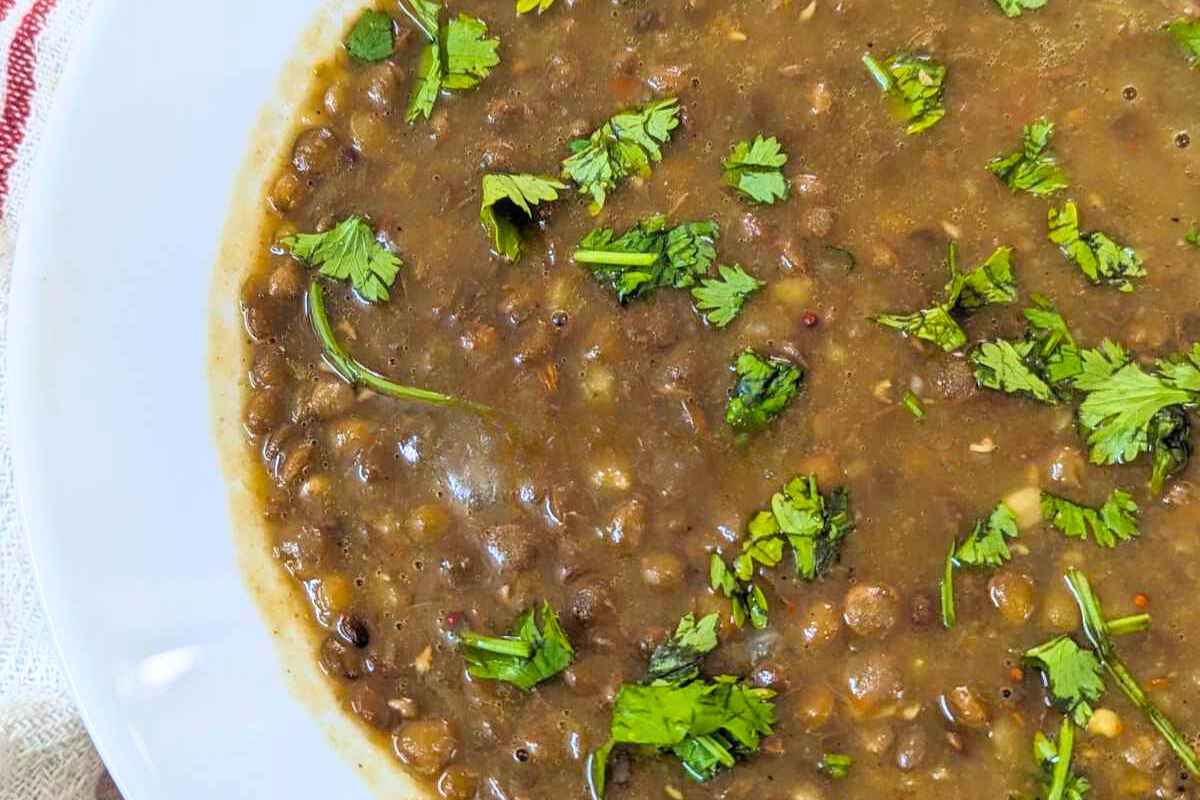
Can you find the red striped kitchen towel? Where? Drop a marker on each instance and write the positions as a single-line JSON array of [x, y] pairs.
[[45, 753]]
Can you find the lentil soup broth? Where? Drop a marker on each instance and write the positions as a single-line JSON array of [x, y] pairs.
[[607, 476]]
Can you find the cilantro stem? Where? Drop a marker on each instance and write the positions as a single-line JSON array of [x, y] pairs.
[[1097, 632], [1062, 760], [501, 645], [615, 259], [878, 72], [949, 617], [1126, 625], [430, 35], [355, 373]]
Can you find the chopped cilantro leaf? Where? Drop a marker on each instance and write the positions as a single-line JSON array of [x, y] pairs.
[[649, 256], [1101, 259], [1058, 780], [350, 252], [1036, 366], [677, 660], [812, 525], [457, 56], [1099, 632], [755, 170], [1073, 676], [721, 299], [427, 86], [470, 54], [913, 85], [524, 658], [764, 388], [1127, 411], [985, 546], [372, 37], [508, 202], [625, 145], [1014, 8], [913, 404], [1192, 237], [1115, 521], [836, 765], [1034, 168], [357, 374], [990, 282], [1187, 33], [525, 6]]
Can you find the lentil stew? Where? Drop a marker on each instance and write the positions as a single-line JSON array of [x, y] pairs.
[[769, 398]]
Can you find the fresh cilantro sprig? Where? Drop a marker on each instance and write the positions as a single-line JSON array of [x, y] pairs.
[[356, 373], [836, 765], [1014, 8], [525, 6], [720, 299], [1034, 168], [1073, 675], [625, 145], [755, 170], [914, 85], [372, 38], [1098, 257], [812, 525], [349, 251], [989, 283], [708, 724], [1187, 33], [649, 256], [1100, 632], [1059, 781], [507, 204], [986, 546], [1037, 366], [1127, 411], [457, 56], [525, 657], [764, 387], [677, 660], [1115, 521]]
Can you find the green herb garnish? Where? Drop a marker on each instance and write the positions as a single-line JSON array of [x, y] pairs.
[[372, 37], [457, 56], [813, 526], [1187, 33], [1034, 168], [1036, 366], [986, 546], [721, 299], [1059, 781], [525, 6], [1101, 259], [991, 282], [1014, 8], [836, 765], [1115, 521], [913, 404], [349, 251], [913, 85], [649, 256], [708, 724], [755, 169], [763, 389], [357, 374], [625, 145], [1074, 676], [525, 657], [1099, 633], [507, 204]]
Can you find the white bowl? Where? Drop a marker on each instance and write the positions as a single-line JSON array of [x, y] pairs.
[[152, 146]]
